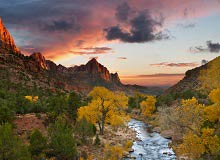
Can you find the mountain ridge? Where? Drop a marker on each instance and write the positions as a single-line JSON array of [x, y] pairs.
[[46, 73], [192, 80]]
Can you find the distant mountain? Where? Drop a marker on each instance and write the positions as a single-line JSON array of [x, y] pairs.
[[35, 70], [192, 80]]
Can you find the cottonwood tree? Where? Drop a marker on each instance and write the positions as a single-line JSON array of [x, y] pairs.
[[211, 75], [105, 107], [199, 127], [148, 106]]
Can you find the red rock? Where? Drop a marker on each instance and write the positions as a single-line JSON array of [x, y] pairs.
[[6, 40], [39, 58]]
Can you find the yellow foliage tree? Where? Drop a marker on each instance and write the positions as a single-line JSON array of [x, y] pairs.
[[90, 157], [31, 98], [210, 77], [128, 145], [191, 147], [210, 141], [213, 112], [113, 152], [105, 107], [148, 106], [193, 120], [194, 146], [191, 115], [214, 95]]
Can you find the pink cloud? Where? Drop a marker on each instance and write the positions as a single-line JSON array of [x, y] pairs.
[[152, 80], [166, 64], [59, 28]]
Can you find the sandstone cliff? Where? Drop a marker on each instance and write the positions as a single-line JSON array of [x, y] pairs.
[[36, 70], [6, 40]]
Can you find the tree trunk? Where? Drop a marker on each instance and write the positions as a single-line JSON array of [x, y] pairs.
[[102, 124], [100, 128]]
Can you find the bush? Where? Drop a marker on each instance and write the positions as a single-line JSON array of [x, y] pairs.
[[6, 114], [165, 100], [38, 143], [85, 129], [11, 147], [62, 142]]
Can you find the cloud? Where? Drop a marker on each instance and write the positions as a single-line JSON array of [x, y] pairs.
[[122, 58], [204, 61], [213, 47], [93, 50], [62, 25], [155, 75], [198, 49], [166, 64], [142, 29], [56, 27], [210, 47], [161, 79], [123, 11], [79, 43], [186, 25]]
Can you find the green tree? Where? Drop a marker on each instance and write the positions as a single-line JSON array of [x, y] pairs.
[[85, 129], [38, 143], [134, 102], [6, 114], [74, 102], [57, 105], [165, 100], [61, 140], [11, 147]]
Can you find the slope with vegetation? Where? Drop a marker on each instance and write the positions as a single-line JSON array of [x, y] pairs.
[[190, 111], [41, 103]]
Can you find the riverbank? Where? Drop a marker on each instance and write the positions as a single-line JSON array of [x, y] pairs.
[[148, 145], [111, 137], [154, 125]]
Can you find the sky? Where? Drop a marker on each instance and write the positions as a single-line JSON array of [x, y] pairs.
[[148, 42]]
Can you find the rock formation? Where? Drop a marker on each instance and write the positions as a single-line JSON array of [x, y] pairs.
[[47, 74], [191, 80], [6, 40], [39, 58]]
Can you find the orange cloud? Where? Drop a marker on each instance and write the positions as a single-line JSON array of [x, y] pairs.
[[93, 50], [152, 80], [166, 64], [60, 28], [122, 58]]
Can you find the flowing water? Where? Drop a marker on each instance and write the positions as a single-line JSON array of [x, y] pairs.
[[150, 146]]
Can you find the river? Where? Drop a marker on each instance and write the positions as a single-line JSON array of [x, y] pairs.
[[149, 146]]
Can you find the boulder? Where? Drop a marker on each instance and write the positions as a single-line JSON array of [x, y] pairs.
[[126, 154], [157, 129], [167, 134], [130, 150]]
